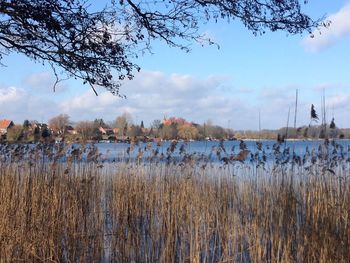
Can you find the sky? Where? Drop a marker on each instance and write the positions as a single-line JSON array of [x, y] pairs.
[[248, 74]]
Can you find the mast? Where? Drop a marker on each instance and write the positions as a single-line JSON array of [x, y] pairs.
[[296, 110], [285, 141], [259, 125], [324, 106]]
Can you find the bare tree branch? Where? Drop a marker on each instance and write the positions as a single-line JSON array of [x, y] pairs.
[[99, 47]]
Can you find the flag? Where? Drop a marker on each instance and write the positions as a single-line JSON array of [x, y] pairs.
[[314, 115]]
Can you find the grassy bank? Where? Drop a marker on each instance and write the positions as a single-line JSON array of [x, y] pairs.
[[173, 213]]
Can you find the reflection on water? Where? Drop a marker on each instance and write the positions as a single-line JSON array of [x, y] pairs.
[[226, 152], [218, 150]]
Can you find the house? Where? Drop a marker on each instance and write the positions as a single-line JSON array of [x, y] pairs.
[[174, 121], [5, 125], [106, 131], [71, 130]]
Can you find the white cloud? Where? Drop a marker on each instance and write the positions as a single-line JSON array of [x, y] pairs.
[[324, 86], [39, 80], [326, 37], [19, 104], [43, 82], [339, 101], [10, 95], [153, 95]]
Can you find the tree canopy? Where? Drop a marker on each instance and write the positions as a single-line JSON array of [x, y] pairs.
[[59, 123], [100, 46]]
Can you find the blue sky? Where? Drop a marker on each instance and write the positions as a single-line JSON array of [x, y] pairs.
[[229, 85]]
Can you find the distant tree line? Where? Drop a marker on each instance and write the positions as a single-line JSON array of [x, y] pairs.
[[303, 132], [123, 128]]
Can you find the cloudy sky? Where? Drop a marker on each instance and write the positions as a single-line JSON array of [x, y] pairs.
[[229, 85]]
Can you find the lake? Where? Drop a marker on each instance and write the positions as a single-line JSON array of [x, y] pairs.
[[216, 150], [300, 151]]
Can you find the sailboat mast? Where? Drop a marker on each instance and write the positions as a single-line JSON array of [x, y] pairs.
[[296, 109]]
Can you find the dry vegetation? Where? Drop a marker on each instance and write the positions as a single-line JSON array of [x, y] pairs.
[[87, 212]]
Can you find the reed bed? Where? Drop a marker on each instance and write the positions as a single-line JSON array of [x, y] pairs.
[[77, 211]]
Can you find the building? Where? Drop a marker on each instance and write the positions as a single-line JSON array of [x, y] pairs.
[[174, 121], [71, 130], [106, 131], [5, 125]]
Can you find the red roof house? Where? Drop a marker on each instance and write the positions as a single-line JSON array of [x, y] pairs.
[[5, 125], [174, 121]]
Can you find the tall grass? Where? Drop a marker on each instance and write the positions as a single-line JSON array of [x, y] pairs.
[[86, 212]]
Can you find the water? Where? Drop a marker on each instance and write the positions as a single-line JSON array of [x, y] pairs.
[[216, 150], [181, 151]]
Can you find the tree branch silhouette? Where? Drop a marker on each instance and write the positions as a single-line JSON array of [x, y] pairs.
[[100, 47]]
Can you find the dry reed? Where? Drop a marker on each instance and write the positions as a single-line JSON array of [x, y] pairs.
[[86, 212]]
